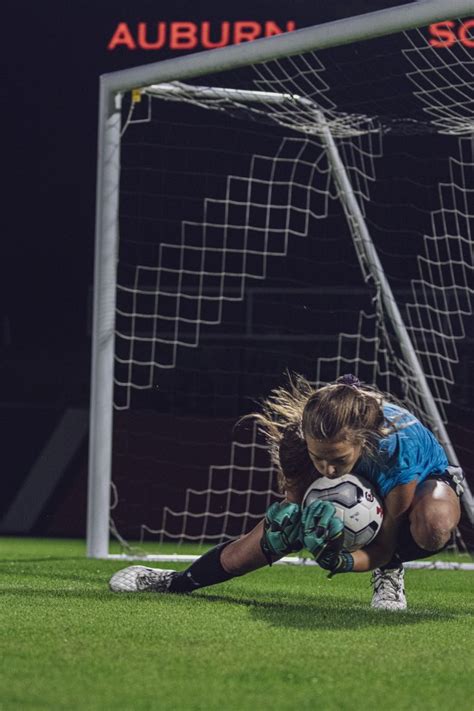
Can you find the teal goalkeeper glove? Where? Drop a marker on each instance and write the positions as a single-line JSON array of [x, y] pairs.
[[282, 531], [336, 561], [321, 526]]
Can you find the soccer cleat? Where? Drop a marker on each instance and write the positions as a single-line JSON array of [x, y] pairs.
[[389, 589], [138, 578]]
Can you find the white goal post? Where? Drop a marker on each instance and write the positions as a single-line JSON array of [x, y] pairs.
[[162, 78]]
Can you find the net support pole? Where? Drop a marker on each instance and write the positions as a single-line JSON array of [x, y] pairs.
[[369, 253], [105, 278]]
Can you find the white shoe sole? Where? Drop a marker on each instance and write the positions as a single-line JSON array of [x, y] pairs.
[[139, 578]]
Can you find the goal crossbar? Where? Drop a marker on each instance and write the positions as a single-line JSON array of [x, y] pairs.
[[330, 34]]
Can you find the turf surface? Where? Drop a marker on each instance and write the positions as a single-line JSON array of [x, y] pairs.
[[280, 638]]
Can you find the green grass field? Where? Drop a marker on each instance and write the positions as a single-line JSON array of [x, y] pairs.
[[280, 638]]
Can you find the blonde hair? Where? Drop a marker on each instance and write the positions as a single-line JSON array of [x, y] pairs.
[[345, 409]]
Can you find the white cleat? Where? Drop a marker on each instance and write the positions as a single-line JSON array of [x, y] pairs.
[[138, 578], [389, 589]]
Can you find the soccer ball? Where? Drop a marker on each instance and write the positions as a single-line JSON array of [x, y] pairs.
[[356, 504]]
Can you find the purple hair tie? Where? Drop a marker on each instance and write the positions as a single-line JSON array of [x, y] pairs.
[[348, 379]]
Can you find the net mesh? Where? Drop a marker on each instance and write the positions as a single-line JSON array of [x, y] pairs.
[[238, 261]]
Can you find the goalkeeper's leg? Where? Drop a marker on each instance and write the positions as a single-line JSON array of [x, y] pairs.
[[433, 516], [225, 561], [278, 534], [281, 532]]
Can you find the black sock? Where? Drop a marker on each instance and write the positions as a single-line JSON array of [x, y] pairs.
[[206, 570], [407, 549]]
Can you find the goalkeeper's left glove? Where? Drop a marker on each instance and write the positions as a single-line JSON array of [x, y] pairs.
[[282, 530], [336, 561], [321, 526]]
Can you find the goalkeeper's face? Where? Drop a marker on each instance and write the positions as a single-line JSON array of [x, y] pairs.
[[333, 457]]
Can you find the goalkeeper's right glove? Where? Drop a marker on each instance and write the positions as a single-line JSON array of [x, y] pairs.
[[282, 531]]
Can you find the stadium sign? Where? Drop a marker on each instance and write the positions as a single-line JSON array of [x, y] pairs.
[[448, 32], [190, 35], [193, 35]]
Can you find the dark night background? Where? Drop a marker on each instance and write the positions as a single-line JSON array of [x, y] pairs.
[[55, 53]]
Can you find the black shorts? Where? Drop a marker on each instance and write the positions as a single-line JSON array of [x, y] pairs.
[[453, 477]]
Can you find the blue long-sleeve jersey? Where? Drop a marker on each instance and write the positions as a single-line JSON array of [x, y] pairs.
[[411, 453]]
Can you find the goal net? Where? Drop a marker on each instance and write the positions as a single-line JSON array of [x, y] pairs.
[[306, 212]]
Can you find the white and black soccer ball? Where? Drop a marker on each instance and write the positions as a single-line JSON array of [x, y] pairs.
[[356, 503]]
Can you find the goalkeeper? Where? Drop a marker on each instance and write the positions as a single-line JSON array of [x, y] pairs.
[[331, 431]]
